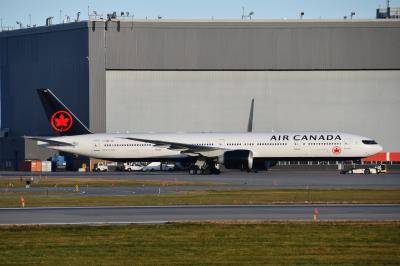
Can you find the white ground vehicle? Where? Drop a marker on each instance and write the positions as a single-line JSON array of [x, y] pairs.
[[105, 166], [131, 166], [157, 166], [101, 167], [366, 169]]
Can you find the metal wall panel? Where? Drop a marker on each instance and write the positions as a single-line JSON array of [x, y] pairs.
[[46, 57], [97, 77], [253, 45], [360, 102]]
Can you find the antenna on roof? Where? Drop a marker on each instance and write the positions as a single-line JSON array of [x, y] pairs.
[[49, 21], [66, 19], [77, 16], [251, 13], [19, 23]]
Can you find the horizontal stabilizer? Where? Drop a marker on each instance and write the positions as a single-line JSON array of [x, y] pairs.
[[50, 141]]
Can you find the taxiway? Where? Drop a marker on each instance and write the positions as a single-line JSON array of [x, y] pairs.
[[163, 214]]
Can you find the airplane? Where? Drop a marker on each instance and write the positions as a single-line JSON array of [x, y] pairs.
[[204, 152]]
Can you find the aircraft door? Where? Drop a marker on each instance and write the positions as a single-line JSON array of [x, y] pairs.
[[297, 145], [96, 146]]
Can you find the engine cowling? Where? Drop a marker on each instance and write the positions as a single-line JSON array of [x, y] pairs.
[[262, 164], [238, 159]]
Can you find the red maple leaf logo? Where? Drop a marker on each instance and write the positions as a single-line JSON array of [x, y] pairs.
[[61, 121], [336, 150]]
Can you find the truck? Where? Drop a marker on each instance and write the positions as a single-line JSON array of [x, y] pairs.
[[131, 166], [366, 169], [58, 163], [157, 166], [105, 166], [100, 167]]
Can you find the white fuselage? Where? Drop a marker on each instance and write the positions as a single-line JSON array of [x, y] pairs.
[[327, 145]]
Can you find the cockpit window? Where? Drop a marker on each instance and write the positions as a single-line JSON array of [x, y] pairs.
[[369, 142]]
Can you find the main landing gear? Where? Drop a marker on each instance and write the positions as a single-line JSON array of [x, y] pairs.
[[202, 167]]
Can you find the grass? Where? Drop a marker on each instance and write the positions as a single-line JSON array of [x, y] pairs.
[[45, 181], [11, 199], [203, 244]]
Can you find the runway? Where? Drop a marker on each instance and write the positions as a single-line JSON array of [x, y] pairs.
[[163, 214]]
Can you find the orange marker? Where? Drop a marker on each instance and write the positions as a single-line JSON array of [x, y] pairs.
[[22, 201]]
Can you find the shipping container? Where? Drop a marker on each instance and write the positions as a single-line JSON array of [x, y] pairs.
[[379, 157], [383, 157], [30, 166], [395, 156], [46, 166]]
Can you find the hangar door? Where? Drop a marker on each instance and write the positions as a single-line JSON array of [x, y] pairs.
[[360, 102]]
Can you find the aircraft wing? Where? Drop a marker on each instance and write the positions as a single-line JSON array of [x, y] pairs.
[[50, 141], [189, 149]]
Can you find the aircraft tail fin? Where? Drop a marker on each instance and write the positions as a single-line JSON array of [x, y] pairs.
[[61, 119], [250, 124]]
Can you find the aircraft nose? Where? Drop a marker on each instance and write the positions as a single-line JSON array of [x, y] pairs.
[[379, 148]]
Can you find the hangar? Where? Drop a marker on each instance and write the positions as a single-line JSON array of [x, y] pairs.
[[170, 75]]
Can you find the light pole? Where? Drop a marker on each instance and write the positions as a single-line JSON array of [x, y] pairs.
[[248, 15], [19, 23]]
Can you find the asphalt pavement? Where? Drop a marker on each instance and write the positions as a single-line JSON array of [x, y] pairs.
[[163, 214], [233, 180]]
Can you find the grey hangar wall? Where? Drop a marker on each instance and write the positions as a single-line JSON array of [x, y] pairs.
[[201, 76]]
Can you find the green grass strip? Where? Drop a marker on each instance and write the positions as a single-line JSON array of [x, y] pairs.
[[203, 244], [44, 181], [11, 199]]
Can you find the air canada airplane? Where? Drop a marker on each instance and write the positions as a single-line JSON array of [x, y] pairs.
[[204, 152]]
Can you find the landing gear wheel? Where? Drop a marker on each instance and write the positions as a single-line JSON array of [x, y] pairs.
[[215, 171], [193, 170], [206, 172]]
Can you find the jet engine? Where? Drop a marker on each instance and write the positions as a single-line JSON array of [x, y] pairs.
[[262, 164], [237, 159]]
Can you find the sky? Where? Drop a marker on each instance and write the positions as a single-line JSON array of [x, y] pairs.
[[20, 10]]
